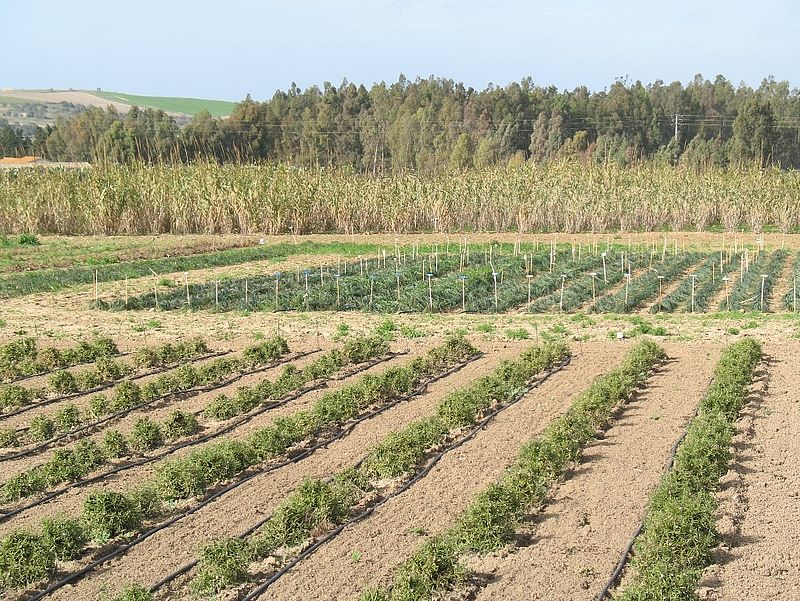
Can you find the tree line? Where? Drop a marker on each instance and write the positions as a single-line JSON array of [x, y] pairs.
[[435, 124]]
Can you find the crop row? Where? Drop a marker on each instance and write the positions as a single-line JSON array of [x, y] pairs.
[[23, 358], [585, 282], [491, 282], [637, 290], [70, 464], [695, 292], [27, 558], [792, 298], [398, 284], [104, 374], [51, 280], [74, 463], [679, 528], [491, 520], [753, 290], [320, 506], [70, 421]]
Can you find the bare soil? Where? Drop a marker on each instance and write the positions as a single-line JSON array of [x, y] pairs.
[[394, 531], [758, 516], [569, 549], [234, 513]]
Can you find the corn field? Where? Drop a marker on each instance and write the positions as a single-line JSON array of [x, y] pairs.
[[271, 199]]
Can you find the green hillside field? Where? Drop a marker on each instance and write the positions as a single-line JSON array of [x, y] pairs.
[[189, 106]]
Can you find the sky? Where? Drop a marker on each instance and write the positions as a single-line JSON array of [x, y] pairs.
[[225, 50]]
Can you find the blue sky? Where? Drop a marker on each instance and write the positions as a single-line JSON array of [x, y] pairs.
[[227, 49]]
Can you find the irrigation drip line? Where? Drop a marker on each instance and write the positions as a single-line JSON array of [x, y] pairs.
[[187, 567], [434, 460], [628, 550], [59, 369], [123, 412], [106, 386], [270, 468], [4, 516]]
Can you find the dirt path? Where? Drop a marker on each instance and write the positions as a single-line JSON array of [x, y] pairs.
[[392, 533], [235, 512], [759, 498], [571, 547]]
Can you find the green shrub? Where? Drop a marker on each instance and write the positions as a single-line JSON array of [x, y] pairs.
[[108, 514], [126, 395], [50, 358], [103, 347], [133, 592], [146, 500], [13, 396], [98, 405], [180, 423], [24, 485], [222, 563], [67, 418], [267, 351], [62, 382], [28, 239], [24, 559], [221, 407], [115, 444], [8, 437], [146, 435], [65, 537], [87, 379], [41, 428]]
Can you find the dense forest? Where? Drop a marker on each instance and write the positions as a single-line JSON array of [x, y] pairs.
[[429, 125]]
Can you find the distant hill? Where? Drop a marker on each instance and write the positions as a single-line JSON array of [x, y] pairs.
[[186, 106], [45, 105]]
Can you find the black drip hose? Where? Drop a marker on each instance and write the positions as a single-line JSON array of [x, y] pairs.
[[4, 516], [75, 576], [105, 386]]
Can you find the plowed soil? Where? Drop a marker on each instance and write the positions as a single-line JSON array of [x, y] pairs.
[[569, 550], [397, 528], [759, 517]]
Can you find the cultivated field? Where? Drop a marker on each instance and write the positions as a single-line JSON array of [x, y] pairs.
[[392, 417]]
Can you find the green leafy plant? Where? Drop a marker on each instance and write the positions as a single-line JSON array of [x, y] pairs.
[[115, 444], [65, 537], [108, 514], [146, 435], [41, 428], [67, 418], [24, 559], [180, 423]]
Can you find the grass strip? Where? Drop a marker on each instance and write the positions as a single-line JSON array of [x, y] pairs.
[[491, 520], [679, 528], [320, 505]]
